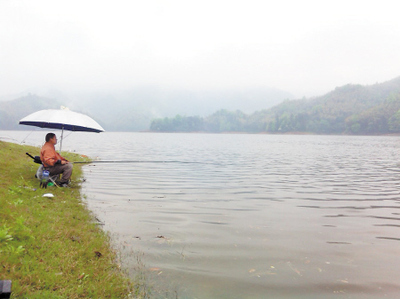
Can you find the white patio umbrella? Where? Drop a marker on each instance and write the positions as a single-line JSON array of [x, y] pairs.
[[62, 119]]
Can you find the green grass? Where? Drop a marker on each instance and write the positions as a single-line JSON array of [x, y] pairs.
[[52, 247]]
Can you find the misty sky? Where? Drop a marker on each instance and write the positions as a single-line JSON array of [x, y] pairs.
[[304, 47]]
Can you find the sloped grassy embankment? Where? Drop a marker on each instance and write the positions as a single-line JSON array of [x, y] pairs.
[[51, 247]]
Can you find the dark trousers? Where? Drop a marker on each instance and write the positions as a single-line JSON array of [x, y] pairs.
[[65, 170]]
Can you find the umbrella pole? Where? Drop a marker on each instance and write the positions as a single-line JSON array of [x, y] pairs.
[[62, 134]]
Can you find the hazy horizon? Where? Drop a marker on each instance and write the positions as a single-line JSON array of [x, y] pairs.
[[305, 49]]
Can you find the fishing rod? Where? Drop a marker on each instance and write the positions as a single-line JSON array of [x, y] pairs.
[[117, 161], [133, 161], [36, 159]]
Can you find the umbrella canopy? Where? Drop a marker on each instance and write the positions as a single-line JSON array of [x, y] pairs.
[[62, 119]]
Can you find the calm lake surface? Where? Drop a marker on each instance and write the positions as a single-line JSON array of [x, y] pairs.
[[248, 216]]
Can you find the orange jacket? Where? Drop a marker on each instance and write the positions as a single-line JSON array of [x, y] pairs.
[[49, 156]]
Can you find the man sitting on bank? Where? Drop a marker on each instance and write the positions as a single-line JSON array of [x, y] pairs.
[[53, 162]]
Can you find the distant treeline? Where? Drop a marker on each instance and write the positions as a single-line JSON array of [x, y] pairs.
[[351, 109]]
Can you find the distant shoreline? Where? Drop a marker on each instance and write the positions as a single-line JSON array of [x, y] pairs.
[[232, 133], [263, 133]]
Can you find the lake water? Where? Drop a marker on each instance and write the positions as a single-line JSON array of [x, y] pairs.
[[248, 216]]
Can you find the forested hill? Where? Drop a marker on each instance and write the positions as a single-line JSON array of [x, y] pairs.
[[350, 109], [12, 111]]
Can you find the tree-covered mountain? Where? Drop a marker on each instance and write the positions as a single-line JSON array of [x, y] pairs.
[[350, 109], [12, 111], [134, 109]]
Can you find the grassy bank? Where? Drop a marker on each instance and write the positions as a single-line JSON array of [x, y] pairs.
[[50, 247]]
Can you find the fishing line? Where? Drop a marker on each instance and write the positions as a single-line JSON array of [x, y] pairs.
[[23, 141], [68, 134]]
